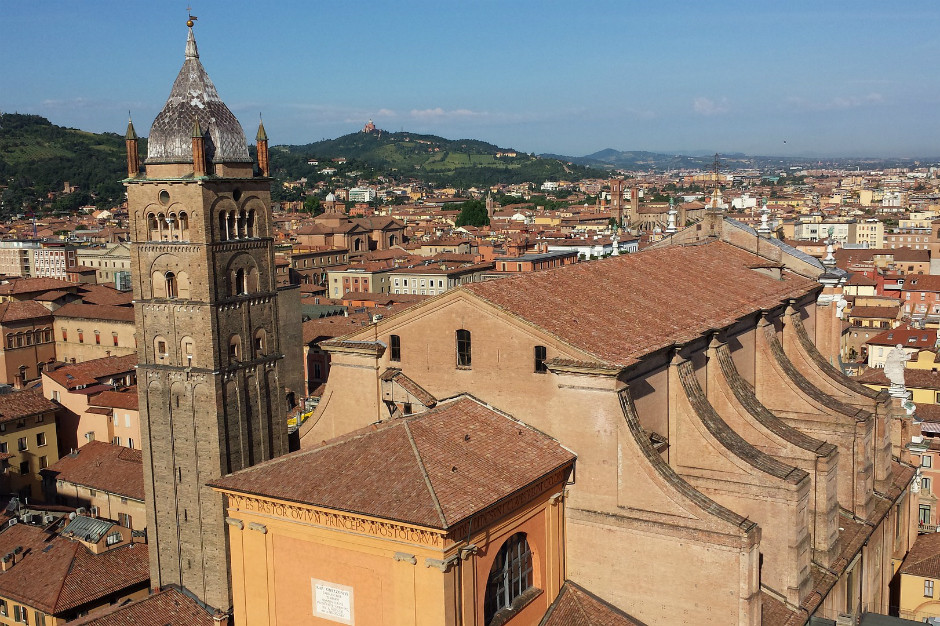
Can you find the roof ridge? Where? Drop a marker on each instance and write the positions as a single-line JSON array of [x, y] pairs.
[[424, 472]]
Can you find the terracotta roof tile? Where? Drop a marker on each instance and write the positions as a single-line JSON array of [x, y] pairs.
[[96, 312], [18, 310], [91, 372], [19, 404], [117, 399], [701, 286], [433, 469], [102, 466], [57, 574], [169, 607], [924, 557], [575, 606]]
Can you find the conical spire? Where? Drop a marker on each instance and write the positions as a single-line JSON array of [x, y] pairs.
[[192, 52], [131, 133], [261, 136], [197, 130], [194, 98]]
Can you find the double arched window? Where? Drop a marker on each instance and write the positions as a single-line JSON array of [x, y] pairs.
[[510, 577]]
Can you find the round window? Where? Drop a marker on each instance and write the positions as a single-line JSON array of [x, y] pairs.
[[164, 197]]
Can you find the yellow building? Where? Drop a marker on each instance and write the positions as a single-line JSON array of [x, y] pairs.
[[453, 516], [27, 441], [920, 579]]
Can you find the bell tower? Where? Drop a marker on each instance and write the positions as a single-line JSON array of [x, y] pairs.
[[212, 398]]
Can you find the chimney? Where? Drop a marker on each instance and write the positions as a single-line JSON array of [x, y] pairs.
[[133, 155], [221, 619], [262, 143], [199, 151], [18, 381]]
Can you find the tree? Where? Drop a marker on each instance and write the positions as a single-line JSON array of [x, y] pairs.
[[473, 213], [312, 205]]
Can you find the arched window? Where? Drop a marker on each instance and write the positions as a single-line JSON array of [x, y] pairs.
[[223, 226], [231, 232], [261, 342], [184, 225], [161, 226], [171, 286], [240, 286], [251, 223], [154, 226], [243, 224], [463, 348], [510, 577], [235, 347]]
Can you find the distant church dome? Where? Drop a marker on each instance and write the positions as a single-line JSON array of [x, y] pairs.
[[194, 98]]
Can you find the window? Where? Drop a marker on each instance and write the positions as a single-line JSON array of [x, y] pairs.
[[125, 520], [114, 337], [97, 338], [925, 483], [928, 588], [113, 538], [4, 447], [116, 441], [170, 278], [24, 468], [40, 439], [926, 461], [394, 344], [130, 443], [3, 608], [43, 462], [540, 354], [81, 337], [19, 614], [463, 348], [21, 444], [40, 618], [510, 576]]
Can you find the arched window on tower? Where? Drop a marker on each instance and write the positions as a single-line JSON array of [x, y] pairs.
[[251, 223], [153, 226], [510, 577], [171, 285], [231, 230], [243, 224], [240, 285], [261, 342], [161, 227], [184, 225]]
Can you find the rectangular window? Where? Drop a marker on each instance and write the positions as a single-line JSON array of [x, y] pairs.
[[97, 338], [540, 354], [4, 447], [130, 443], [928, 588], [116, 441], [926, 461], [113, 538], [125, 520], [394, 343], [21, 444], [65, 335], [81, 337], [24, 468], [55, 396], [114, 337], [3, 608], [40, 439], [925, 483], [43, 462], [463, 348]]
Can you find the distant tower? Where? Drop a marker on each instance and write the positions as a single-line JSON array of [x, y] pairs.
[[209, 345], [616, 200], [490, 207]]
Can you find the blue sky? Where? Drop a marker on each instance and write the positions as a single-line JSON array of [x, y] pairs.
[[833, 78]]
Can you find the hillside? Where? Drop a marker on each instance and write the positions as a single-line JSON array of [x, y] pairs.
[[402, 155], [37, 158]]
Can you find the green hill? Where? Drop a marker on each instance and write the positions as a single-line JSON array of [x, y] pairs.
[[458, 162], [37, 158]]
